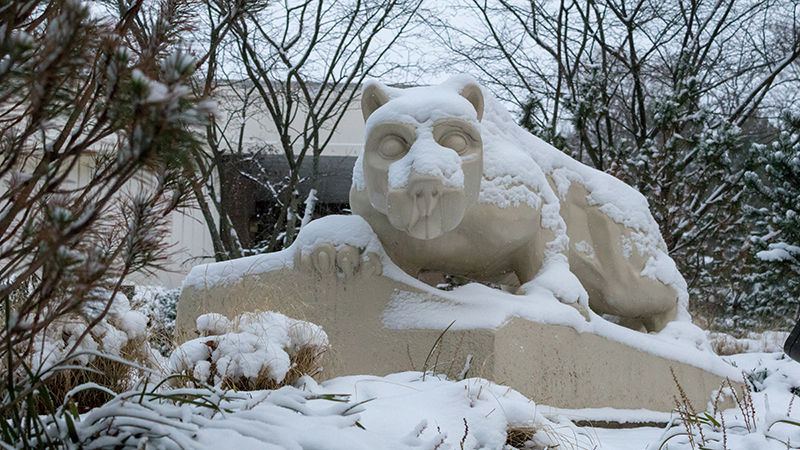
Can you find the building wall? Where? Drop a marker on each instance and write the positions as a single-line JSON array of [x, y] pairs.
[[259, 129], [188, 239]]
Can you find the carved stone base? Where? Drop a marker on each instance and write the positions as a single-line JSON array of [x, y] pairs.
[[552, 364]]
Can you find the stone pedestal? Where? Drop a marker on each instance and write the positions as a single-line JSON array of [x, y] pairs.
[[551, 364]]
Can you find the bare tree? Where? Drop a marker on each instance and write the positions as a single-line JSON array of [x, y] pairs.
[[301, 64]]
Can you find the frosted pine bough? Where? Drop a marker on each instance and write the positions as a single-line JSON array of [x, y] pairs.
[[261, 350]]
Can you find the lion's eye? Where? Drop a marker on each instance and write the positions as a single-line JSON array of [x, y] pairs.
[[455, 140], [392, 147]]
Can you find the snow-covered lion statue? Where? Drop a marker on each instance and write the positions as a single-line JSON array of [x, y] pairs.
[[450, 183]]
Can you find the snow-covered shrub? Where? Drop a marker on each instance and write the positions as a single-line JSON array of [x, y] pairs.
[[262, 350], [160, 306], [774, 185], [205, 418], [766, 342], [96, 341], [96, 150]]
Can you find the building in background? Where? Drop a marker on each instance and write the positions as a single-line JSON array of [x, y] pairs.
[[189, 238]]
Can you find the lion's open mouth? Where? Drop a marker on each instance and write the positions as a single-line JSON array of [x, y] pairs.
[[426, 210]]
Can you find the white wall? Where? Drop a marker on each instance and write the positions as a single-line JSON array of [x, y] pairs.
[[260, 130]]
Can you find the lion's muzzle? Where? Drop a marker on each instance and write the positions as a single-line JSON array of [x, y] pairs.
[[426, 208]]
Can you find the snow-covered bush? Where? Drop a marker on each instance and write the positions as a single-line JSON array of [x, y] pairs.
[[160, 306], [97, 133], [774, 183], [261, 350], [96, 341], [118, 328], [767, 342]]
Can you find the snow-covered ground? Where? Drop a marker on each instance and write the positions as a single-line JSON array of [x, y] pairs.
[[416, 410], [404, 411]]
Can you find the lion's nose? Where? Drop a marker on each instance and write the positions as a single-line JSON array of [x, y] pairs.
[[426, 196]]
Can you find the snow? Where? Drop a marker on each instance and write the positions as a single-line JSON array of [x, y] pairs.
[[213, 324], [413, 410], [250, 346], [399, 411], [444, 163], [468, 306], [436, 409], [768, 342], [779, 251], [120, 326]]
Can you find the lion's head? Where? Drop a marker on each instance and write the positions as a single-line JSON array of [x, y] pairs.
[[423, 155]]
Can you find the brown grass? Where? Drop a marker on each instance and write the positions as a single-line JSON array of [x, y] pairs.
[[727, 345], [306, 361], [112, 374], [519, 437], [527, 437], [693, 423]]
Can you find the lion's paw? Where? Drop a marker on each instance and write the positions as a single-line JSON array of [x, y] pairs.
[[346, 261]]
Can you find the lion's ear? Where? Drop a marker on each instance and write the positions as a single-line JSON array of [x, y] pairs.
[[372, 98], [472, 92]]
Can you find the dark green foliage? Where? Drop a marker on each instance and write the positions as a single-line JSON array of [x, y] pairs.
[[774, 187]]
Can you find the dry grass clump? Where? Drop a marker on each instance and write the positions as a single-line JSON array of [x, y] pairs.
[[255, 351], [711, 428], [110, 373], [111, 351], [306, 360], [724, 344], [521, 437], [751, 341], [542, 437]]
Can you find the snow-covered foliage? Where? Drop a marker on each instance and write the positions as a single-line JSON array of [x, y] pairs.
[[117, 331], [671, 116], [253, 351], [751, 342], [762, 416], [400, 411], [160, 306], [775, 185], [102, 129]]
